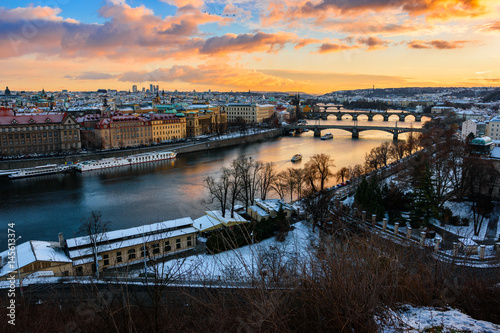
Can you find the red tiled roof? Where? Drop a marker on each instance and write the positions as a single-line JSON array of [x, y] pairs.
[[121, 118], [6, 111], [25, 119]]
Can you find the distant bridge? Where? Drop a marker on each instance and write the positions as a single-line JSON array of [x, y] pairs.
[[354, 129], [322, 111]]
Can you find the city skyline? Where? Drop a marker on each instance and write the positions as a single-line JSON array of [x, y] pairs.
[[291, 45]]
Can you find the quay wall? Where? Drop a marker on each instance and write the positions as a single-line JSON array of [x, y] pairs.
[[181, 148]]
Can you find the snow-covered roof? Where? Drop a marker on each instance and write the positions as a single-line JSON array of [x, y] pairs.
[[259, 211], [206, 222], [495, 153], [85, 260], [133, 232], [485, 140], [110, 246], [272, 204], [468, 241], [217, 214], [31, 251]]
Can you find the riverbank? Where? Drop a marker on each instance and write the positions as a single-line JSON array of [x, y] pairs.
[[180, 148]]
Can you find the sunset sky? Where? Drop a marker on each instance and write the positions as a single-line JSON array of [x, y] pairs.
[[315, 46]]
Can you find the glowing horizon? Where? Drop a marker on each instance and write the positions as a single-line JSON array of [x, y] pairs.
[[279, 45]]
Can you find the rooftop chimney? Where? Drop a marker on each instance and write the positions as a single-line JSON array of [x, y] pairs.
[[61, 240]]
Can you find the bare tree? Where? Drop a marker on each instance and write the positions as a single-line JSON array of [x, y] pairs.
[[280, 184], [440, 168], [397, 150], [342, 174], [356, 172], [234, 187], [411, 143], [383, 153], [159, 274], [248, 172], [267, 175], [310, 176], [371, 160], [94, 229], [291, 181], [219, 190], [319, 167], [317, 205], [482, 177], [298, 175]]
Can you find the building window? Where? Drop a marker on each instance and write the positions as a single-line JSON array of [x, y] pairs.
[[189, 242], [119, 256], [131, 254], [106, 259], [178, 243], [168, 248], [156, 248]]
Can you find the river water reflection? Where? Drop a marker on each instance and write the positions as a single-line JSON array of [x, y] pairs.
[[129, 196]]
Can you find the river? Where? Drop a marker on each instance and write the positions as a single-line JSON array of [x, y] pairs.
[[41, 207]]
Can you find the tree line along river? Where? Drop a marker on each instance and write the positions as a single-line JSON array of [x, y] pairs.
[[41, 207]]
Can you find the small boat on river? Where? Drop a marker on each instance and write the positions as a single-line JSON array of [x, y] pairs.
[[327, 136]]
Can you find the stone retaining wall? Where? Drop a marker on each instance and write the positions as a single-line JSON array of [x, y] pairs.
[[179, 148]]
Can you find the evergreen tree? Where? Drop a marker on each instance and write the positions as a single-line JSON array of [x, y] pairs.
[[425, 200], [370, 196]]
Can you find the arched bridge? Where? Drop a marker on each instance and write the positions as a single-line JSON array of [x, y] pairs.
[[354, 129], [369, 114]]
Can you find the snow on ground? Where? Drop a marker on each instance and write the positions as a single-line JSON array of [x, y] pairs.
[[34, 279], [349, 201], [238, 264], [464, 209], [419, 319]]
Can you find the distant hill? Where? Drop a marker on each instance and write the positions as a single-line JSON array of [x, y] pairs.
[[492, 97]]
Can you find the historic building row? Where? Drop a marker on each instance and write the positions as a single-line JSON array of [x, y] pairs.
[[25, 134]]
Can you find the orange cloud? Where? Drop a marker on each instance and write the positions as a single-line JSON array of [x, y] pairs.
[[259, 41], [217, 74], [334, 13], [432, 8], [373, 43], [306, 41], [490, 27], [130, 33], [437, 44], [30, 13], [331, 47], [184, 3]]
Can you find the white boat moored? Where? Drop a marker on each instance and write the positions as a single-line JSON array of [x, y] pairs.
[[122, 161]]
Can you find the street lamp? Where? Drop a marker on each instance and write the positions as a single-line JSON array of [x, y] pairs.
[[18, 269]]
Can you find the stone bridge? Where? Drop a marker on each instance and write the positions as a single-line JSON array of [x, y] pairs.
[[323, 113], [354, 129]]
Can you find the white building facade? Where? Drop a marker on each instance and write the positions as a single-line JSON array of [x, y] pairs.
[[468, 126], [493, 128], [251, 113]]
